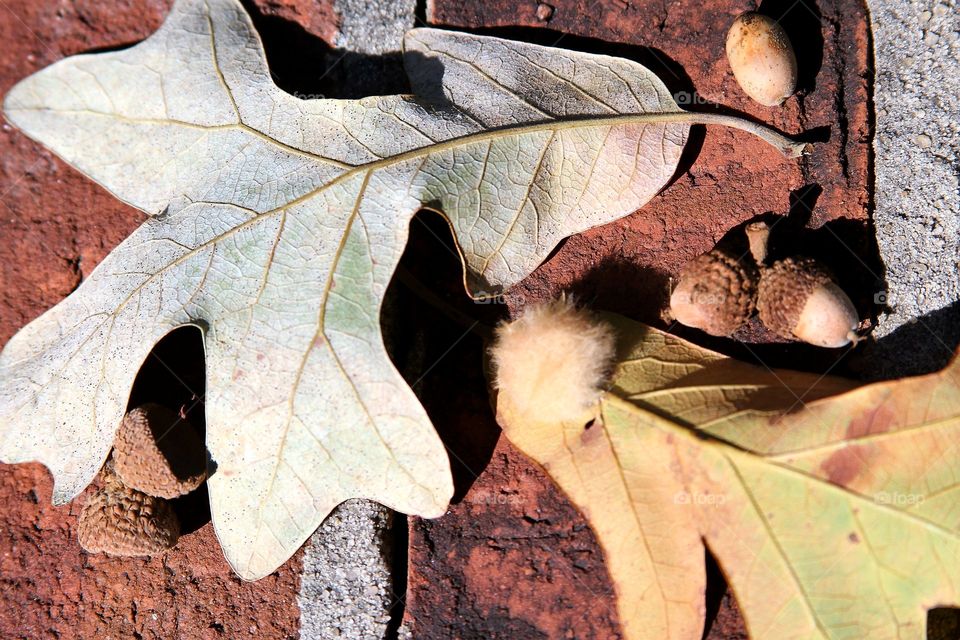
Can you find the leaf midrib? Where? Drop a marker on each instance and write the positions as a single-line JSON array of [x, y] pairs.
[[343, 177]]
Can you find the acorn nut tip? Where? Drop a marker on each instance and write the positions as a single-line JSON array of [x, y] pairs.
[[715, 293], [762, 58], [797, 299]]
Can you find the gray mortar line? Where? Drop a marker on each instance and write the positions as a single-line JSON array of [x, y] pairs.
[[373, 27], [346, 586]]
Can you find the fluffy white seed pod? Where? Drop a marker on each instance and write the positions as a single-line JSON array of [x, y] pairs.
[[552, 363]]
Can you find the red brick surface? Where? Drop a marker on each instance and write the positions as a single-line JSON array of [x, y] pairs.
[[512, 559], [525, 565]]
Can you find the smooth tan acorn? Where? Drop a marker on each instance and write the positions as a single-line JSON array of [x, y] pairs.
[[715, 293], [798, 299], [762, 58]]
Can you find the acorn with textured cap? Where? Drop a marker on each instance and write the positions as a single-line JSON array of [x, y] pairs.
[[121, 521], [159, 453], [798, 299], [715, 293]]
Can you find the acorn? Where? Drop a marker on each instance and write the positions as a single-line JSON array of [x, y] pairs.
[[159, 453], [121, 521], [716, 293], [762, 58], [798, 299]]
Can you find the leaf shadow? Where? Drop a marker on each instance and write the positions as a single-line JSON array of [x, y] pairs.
[[174, 375], [433, 343], [924, 345], [603, 287], [802, 20], [943, 622], [723, 616], [306, 67]]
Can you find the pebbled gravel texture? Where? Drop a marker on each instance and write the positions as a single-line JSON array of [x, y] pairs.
[[373, 27], [917, 186], [346, 588]]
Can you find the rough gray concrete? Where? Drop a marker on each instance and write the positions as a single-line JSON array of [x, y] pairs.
[[346, 589], [373, 27], [917, 186]]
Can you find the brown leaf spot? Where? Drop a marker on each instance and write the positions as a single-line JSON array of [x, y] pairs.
[[842, 466], [878, 420], [853, 537], [590, 433]]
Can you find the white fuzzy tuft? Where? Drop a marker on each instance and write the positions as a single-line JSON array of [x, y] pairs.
[[552, 362]]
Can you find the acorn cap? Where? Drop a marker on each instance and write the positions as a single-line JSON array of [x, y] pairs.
[[797, 298], [716, 293], [121, 521], [159, 453]]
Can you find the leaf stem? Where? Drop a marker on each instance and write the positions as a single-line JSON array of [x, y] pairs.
[[789, 148]]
